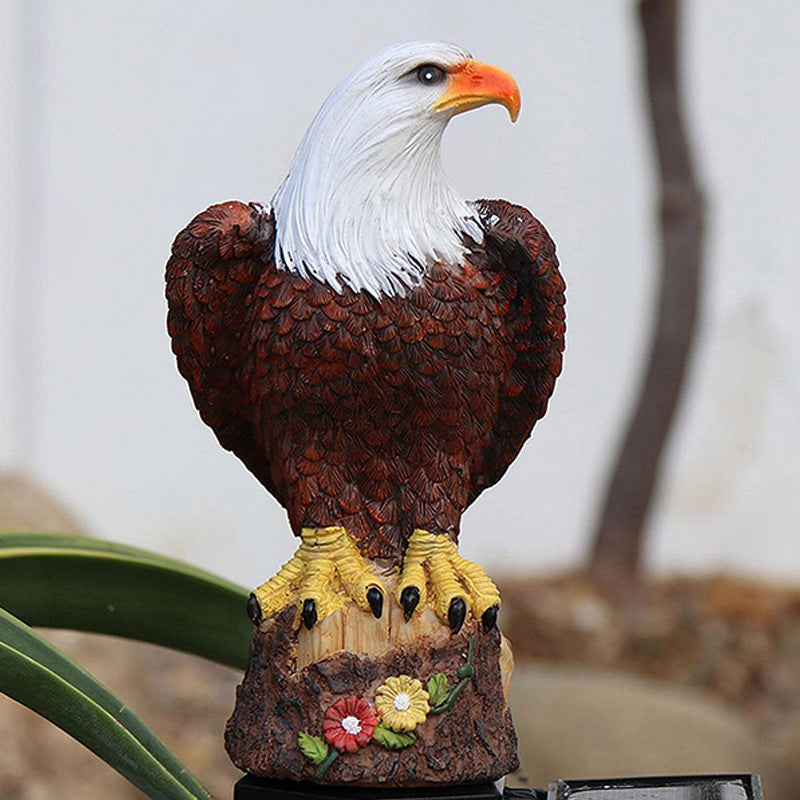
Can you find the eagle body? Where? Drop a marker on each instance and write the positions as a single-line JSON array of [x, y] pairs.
[[372, 346], [380, 415]]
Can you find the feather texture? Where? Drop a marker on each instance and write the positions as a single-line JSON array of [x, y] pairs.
[[366, 203], [379, 414]]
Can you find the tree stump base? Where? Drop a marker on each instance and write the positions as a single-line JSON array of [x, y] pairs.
[[286, 692]]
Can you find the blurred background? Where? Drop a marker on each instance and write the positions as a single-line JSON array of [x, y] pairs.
[[119, 122]]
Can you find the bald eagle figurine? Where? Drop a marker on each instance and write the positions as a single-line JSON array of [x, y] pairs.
[[375, 348]]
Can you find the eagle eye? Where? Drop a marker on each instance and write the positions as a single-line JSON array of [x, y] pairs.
[[430, 74]]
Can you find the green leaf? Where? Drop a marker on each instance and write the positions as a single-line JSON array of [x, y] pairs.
[[438, 689], [314, 748], [64, 581], [393, 740], [38, 675]]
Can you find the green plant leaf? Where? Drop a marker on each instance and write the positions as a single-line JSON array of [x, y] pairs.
[[64, 581], [38, 675], [314, 748], [393, 740], [438, 689]]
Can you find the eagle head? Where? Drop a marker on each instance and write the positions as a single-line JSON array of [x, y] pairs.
[[366, 203]]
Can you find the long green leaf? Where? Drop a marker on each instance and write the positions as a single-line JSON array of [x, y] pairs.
[[64, 581], [38, 675]]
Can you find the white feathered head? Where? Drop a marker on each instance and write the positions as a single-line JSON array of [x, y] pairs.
[[366, 202]]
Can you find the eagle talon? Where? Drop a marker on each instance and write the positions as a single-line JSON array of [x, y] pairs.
[[456, 614], [489, 618], [375, 600], [254, 610], [409, 599], [456, 585], [309, 613], [325, 573]]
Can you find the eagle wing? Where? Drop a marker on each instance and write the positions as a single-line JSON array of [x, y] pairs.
[[211, 277], [518, 244]]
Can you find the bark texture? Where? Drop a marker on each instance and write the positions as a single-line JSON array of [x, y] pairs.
[[473, 742]]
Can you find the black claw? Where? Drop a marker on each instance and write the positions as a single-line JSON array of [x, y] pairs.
[[489, 618], [309, 613], [375, 600], [254, 610], [456, 614], [409, 599]]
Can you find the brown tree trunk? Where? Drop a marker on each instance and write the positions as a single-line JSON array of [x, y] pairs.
[[617, 548]]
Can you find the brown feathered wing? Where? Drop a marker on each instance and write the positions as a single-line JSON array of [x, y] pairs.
[[536, 325], [215, 264]]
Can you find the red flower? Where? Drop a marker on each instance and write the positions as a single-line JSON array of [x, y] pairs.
[[349, 723]]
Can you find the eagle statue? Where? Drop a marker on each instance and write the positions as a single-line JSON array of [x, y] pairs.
[[375, 348]]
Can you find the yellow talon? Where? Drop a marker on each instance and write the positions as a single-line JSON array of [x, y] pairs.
[[326, 571], [413, 575], [356, 576], [318, 584], [482, 590], [277, 592], [452, 578], [444, 583]]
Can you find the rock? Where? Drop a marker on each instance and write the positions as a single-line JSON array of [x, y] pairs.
[[583, 723]]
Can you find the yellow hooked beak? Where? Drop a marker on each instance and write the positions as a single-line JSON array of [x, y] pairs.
[[476, 84]]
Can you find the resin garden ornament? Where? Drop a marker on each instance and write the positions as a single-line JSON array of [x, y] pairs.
[[376, 349]]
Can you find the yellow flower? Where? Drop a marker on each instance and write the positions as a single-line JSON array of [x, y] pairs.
[[402, 703]]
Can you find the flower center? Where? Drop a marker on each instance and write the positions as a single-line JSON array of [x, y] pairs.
[[351, 725], [402, 702]]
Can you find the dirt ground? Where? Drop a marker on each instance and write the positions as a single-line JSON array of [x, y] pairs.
[[736, 639]]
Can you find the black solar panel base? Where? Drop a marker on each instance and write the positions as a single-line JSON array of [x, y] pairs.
[[692, 787], [251, 788], [684, 787]]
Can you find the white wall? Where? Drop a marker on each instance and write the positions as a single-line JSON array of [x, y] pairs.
[[125, 119]]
